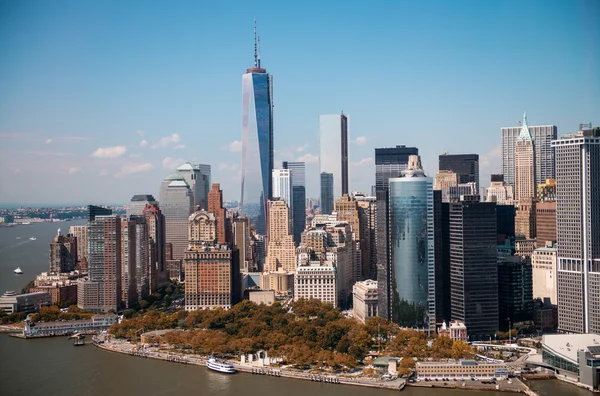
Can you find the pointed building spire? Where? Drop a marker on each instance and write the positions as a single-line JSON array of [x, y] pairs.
[[258, 51], [255, 46], [524, 134]]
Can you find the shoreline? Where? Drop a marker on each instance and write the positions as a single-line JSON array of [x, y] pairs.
[[398, 384]]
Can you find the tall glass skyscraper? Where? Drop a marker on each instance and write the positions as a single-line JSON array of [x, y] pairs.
[[176, 203], [298, 172], [411, 242], [333, 150], [257, 142]]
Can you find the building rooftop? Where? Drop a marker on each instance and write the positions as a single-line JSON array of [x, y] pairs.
[[143, 198], [174, 176], [567, 345], [186, 167]]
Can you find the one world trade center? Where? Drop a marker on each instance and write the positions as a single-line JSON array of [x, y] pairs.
[[257, 141]]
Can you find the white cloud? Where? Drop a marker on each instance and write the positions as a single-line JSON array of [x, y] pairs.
[[234, 147], [228, 167], [140, 132], [48, 141], [133, 168], [171, 163], [364, 161], [103, 172], [135, 155], [179, 147], [166, 141], [360, 140], [52, 153], [109, 152], [308, 158], [490, 161], [300, 149], [74, 170], [144, 143]]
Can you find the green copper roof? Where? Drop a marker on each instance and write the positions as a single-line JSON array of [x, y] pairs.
[[174, 176], [524, 134], [187, 166]]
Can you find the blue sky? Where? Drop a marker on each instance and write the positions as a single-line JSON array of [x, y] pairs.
[[100, 100]]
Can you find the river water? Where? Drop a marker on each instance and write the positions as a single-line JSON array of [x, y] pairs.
[[53, 366]]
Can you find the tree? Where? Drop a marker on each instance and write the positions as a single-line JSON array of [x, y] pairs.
[[406, 366], [441, 348], [462, 350]]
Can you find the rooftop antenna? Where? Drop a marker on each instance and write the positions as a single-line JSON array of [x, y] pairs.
[[259, 51], [255, 46]]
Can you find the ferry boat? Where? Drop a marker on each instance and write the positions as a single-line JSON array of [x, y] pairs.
[[32, 238], [18, 271], [220, 366]]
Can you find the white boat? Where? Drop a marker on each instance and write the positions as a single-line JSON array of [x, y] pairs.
[[18, 271], [25, 223], [32, 238], [220, 366]]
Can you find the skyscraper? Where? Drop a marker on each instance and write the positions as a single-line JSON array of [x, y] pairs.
[[333, 150], [348, 210], [257, 141], [80, 233], [578, 231], [197, 176], [525, 185], [155, 220], [102, 290], [474, 265], [542, 137], [298, 173], [138, 203], [176, 203], [282, 185], [326, 193], [389, 163], [411, 241], [215, 206], [515, 290], [94, 211], [281, 249], [466, 166], [63, 253]]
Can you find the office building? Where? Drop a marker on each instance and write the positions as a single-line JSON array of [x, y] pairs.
[[543, 263], [80, 234], [473, 266], [465, 166], [389, 163], [348, 210], [333, 150], [176, 203], [578, 231], [241, 239], [326, 203], [11, 302], [454, 193], [505, 222], [257, 142], [441, 233], [368, 205], [525, 224], [515, 291], [499, 191], [101, 291], [411, 241], [546, 192], [157, 271], [281, 252], [317, 279], [542, 137], [136, 206], [212, 277], [94, 211], [215, 206], [197, 176], [545, 222], [63, 253], [445, 178], [365, 300], [135, 260], [298, 174], [525, 185], [282, 185]]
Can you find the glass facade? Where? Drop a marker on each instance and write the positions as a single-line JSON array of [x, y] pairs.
[[298, 197], [257, 145], [411, 243], [327, 182], [176, 202], [333, 150]]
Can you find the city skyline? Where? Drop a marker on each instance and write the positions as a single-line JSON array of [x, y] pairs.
[[114, 112]]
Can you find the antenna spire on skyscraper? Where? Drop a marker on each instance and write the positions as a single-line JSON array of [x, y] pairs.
[[258, 51], [255, 46]]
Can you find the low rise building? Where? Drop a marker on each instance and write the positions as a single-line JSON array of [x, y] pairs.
[[365, 300], [266, 297], [60, 292], [456, 330], [46, 329], [463, 369], [576, 356], [11, 302], [281, 282]]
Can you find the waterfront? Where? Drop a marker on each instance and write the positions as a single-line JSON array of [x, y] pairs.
[[52, 366], [31, 256]]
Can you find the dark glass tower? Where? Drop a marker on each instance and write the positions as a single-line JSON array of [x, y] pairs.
[[257, 142], [326, 193], [466, 166], [94, 211], [298, 197]]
